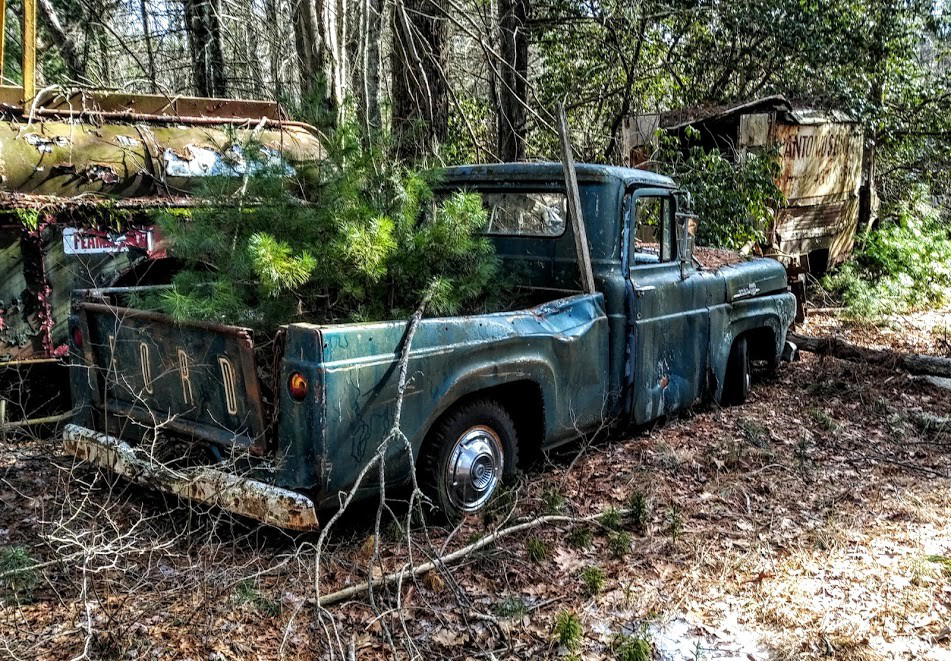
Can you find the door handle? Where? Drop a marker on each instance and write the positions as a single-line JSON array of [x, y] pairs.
[[642, 290]]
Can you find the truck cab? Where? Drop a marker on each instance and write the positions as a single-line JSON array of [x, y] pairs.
[[659, 333]]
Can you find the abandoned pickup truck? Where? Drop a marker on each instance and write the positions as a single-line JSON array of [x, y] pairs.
[[657, 334]]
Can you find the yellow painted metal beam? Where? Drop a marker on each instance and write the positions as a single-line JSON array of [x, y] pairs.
[[29, 50]]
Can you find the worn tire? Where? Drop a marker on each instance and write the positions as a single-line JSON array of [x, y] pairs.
[[465, 444], [736, 383]]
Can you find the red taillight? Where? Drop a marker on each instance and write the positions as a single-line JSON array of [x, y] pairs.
[[77, 337], [297, 385]]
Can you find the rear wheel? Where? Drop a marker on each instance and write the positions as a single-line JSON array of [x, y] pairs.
[[471, 450], [736, 383]]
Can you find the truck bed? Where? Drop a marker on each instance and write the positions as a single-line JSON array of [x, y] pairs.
[[198, 381]]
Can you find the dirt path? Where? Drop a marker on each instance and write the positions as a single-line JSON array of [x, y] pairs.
[[812, 522]]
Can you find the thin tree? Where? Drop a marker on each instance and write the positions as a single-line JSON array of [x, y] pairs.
[[203, 26], [420, 95]]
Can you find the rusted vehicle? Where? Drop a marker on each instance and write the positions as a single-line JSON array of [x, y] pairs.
[[657, 334], [820, 156], [81, 173]]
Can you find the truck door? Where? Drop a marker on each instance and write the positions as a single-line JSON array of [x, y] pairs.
[[668, 329]]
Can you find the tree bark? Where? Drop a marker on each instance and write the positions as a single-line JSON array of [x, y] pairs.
[[203, 25], [150, 53], [838, 348], [420, 96], [366, 74], [512, 86], [305, 41], [75, 63]]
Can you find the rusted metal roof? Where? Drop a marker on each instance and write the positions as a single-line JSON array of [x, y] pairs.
[[792, 113]]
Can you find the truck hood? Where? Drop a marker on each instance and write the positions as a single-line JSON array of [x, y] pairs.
[[756, 277]]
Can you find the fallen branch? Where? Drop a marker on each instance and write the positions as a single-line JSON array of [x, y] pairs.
[[839, 348], [419, 570]]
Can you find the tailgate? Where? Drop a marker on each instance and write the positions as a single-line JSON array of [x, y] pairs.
[[191, 378]]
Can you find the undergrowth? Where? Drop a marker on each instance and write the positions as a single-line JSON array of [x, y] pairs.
[[902, 265]]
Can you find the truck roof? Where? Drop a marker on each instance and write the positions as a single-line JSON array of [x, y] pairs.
[[548, 171]]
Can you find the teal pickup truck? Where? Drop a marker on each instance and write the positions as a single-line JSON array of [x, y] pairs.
[[658, 333]]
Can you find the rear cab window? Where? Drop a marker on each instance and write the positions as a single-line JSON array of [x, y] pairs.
[[521, 213]]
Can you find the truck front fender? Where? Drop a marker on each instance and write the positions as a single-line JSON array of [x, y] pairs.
[[730, 321]]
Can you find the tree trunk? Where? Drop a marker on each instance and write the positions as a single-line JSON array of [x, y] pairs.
[[150, 53], [366, 70], [420, 96], [305, 41], [75, 63], [911, 362], [203, 25], [513, 73]]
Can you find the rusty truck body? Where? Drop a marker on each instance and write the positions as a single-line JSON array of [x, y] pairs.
[[820, 156], [81, 173], [658, 334]]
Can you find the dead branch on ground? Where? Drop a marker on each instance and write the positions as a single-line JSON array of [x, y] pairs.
[[839, 348]]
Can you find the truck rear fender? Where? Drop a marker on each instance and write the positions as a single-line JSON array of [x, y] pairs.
[[523, 399], [555, 353], [763, 320]]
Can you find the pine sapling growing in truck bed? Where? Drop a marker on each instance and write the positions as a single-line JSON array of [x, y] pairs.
[[370, 243]]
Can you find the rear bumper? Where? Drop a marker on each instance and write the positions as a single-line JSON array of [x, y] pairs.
[[251, 498]]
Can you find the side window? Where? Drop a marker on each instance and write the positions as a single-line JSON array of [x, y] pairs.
[[653, 238], [526, 214]]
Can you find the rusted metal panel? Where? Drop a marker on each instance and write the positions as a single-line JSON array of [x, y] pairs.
[[200, 376], [819, 161], [66, 159], [821, 175], [28, 44], [242, 495], [173, 107]]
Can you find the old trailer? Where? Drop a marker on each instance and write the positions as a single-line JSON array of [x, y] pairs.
[[82, 173], [820, 156]]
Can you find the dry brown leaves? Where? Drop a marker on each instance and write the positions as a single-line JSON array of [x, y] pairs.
[[812, 522]]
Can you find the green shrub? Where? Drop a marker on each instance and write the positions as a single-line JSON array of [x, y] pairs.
[[593, 579], [374, 243], [553, 502], [611, 518], [568, 629], [633, 648], [247, 592], [903, 265], [581, 537], [735, 199], [537, 549], [639, 510], [510, 607], [20, 576], [619, 543]]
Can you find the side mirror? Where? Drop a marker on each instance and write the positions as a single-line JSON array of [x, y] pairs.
[[688, 226]]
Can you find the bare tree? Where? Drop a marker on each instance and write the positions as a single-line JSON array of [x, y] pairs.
[[420, 96], [203, 25], [512, 85]]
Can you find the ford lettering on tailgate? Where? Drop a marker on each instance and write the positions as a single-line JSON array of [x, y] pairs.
[[193, 378]]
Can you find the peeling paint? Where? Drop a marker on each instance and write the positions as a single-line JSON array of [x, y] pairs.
[[196, 161], [104, 173], [44, 144]]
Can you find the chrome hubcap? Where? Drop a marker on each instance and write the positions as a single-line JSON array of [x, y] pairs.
[[475, 468]]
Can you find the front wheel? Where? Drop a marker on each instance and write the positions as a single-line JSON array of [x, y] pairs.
[[736, 383], [471, 450]]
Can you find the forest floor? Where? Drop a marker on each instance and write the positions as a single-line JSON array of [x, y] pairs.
[[812, 522]]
